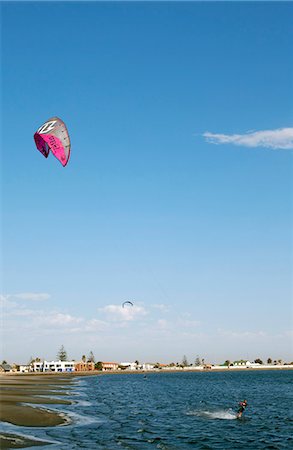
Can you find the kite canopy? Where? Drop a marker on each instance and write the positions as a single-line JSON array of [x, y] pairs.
[[127, 303], [53, 135]]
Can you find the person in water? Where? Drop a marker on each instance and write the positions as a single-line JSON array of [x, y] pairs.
[[241, 409]]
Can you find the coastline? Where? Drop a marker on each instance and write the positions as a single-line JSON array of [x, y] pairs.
[[20, 397], [24, 401], [144, 372], [8, 440]]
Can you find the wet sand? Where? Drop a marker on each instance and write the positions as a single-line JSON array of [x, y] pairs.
[[19, 400], [8, 440], [17, 392]]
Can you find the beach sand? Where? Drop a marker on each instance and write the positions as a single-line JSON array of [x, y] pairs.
[[19, 400], [8, 440]]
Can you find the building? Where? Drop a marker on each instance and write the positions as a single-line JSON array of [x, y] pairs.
[[148, 366], [207, 366], [241, 362], [128, 366], [53, 366], [109, 366], [5, 367], [84, 366], [24, 368]]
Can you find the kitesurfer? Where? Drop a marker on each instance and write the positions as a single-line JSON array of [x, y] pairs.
[[241, 409]]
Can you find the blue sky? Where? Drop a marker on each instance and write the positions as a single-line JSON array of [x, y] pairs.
[[178, 192]]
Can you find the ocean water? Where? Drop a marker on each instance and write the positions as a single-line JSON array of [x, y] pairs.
[[175, 411]]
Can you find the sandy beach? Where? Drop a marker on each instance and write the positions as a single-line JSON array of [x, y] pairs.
[[19, 400], [8, 440], [17, 392]]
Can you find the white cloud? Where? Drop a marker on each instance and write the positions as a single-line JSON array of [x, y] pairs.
[[62, 319], [242, 334], [161, 307], [162, 324], [95, 325], [281, 138], [32, 296], [186, 320], [189, 323], [5, 302], [36, 319], [21, 312], [118, 313], [288, 334]]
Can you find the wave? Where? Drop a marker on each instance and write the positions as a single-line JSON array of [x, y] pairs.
[[223, 414], [83, 403], [81, 420]]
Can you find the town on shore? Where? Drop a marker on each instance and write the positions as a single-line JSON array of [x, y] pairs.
[[89, 364]]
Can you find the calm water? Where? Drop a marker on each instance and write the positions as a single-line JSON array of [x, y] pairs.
[[176, 411]]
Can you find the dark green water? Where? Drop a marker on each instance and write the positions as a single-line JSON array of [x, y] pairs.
[[176, 411]]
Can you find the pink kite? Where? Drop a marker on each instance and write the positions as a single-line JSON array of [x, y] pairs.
[[53, 135]]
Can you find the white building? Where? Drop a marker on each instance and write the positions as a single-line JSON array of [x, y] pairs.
[[128, 365], [134, 366], [24, 368], [54, 366], [242, 362], [147, 366]]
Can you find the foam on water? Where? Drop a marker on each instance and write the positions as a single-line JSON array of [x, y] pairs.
[[82, 420], [80, 382], [223, 414], [83, 403]]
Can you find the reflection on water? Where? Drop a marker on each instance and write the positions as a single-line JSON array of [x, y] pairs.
[[174, 411]]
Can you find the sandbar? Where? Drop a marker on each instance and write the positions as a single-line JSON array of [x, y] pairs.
[[20, 397]]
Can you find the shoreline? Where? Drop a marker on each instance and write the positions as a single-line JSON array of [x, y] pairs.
[[13, 440], [26, 401], [144, 372]]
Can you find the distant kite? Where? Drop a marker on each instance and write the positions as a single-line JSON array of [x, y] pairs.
[[127, 303], [53, 135]]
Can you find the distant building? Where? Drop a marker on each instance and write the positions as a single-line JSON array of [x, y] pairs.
[[128, 366], [124, 365], [5, 368], [24, 368], [242, 362], [207, 366], [84, 366], [147, 366], [53, 366], [109, 366], [162, 366]]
